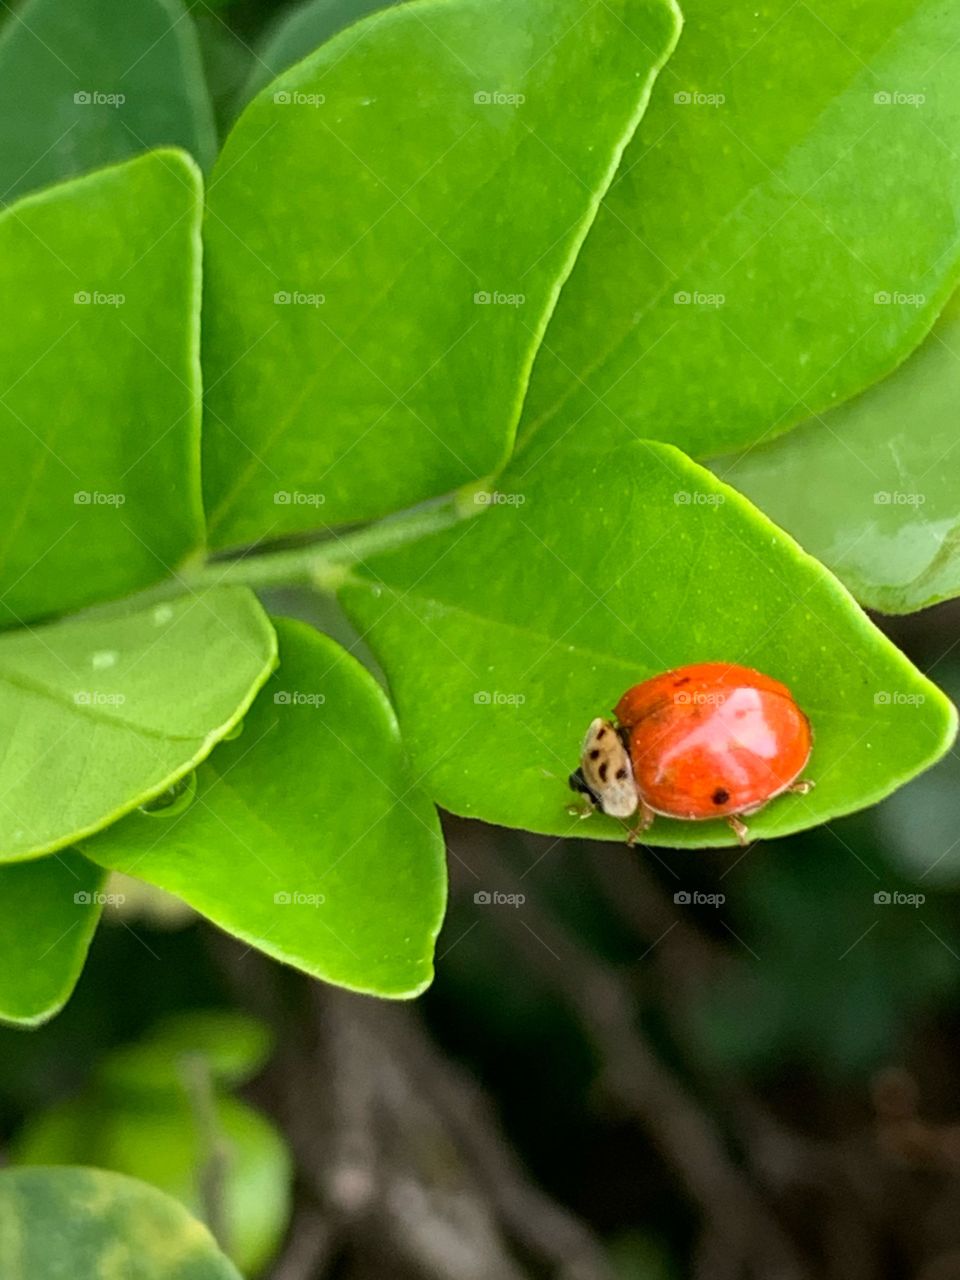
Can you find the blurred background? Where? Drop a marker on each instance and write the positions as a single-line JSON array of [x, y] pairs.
[[636, 1064]]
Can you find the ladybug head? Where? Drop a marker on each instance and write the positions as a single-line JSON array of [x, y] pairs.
[[605, 773]]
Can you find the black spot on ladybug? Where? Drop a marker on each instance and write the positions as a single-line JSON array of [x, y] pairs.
[[682, 680], [603, 770], [595, 753], [720, 796]]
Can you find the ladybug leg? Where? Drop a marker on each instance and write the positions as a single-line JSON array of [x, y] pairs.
[[585, 809], [802, 788], [645, 817], [739, 829]]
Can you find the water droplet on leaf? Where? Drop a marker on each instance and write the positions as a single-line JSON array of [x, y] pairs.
[[175, 800]]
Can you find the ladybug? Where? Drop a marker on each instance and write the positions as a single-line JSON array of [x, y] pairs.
[[710, 740]]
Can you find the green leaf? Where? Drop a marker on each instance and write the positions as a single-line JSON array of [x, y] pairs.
[[597, 571], [234, 1046], [358, 221], [99, 365], [50, 912], [308, 837], [85, 83], [100, 715], [872, 488], [91, 1225], [160, 1144], [797, 199], [301, 30]]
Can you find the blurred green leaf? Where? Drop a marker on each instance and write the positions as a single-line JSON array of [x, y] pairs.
[[161, 1145], [99, 368], [872, 488], [592, 573], [233, 1045], [301, 30], [92, 1225], [382, 253], [795, 162], [309, 837], [227, 60], [49, 915], [100, 715], [85, 83]]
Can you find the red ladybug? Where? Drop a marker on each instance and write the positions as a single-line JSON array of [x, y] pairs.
[[711, 740]]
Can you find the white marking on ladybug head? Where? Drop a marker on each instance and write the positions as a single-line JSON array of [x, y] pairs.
[[607, 772]]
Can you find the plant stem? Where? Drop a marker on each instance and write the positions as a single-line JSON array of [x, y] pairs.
[[323, 565]]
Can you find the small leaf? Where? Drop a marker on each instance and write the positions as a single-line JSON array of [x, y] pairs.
[[233, 1045], [50, 908], [382, 255], [308, 838], [100, 715], [99, 365], [795, 169], [85, 83], [160, 1144], [872, 488], [593, 573], [89, 1224]]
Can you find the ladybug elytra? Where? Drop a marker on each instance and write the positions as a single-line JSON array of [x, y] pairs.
[[711, 740]]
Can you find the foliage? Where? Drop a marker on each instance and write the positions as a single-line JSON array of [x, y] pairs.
[[439, 236]]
